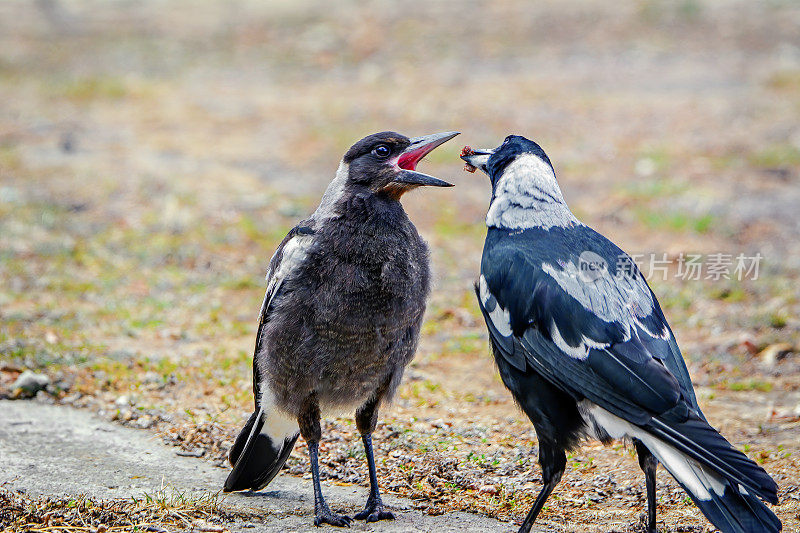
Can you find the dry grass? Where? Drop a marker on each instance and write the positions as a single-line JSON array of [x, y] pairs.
[[165, 510]]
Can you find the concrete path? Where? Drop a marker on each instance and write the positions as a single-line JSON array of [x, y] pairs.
[[56, 450]]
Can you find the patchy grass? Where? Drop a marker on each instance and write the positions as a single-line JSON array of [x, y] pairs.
[[781, 155], [167, 508], [747, 385], [91, 88], [787, 80], [653, 189], [675, 221]]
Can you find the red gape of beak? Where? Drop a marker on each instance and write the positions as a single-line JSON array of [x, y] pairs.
[[420, 147], [409, 160]]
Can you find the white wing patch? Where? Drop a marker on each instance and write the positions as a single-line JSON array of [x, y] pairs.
[[499, 316], [295, 252], [698, 479], [581, 351], [624, 299]]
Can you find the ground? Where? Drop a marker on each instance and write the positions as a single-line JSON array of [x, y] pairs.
[[93, 468], [153, 154]]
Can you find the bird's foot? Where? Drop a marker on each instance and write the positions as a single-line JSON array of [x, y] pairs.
[[645, 526], [326, 516], [374, 512]]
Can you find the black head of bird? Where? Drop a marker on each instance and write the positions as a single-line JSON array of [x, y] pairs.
[[386, 162]]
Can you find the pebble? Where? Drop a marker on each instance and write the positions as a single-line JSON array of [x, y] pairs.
[[748, 342], [488, 489], [44, 397], [29, 383], [775, 352], [153, 378], [71, 398], [645, 167], [144, 422]]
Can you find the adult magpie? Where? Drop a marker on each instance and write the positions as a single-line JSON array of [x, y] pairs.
[[582, 344], [346, 290]]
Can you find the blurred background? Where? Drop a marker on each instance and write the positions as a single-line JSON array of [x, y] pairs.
[[154, 153]]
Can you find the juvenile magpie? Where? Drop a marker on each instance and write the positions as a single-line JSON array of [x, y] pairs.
[[346, 290], [582, 344]]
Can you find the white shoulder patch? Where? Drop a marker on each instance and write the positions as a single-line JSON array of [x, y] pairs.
[[623, 299], [499, 316], [295, 252]]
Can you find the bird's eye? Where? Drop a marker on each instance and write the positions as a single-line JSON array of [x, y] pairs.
[[381, 151]]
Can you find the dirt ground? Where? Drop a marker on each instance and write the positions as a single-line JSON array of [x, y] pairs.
[[153, 154], [126, 480]]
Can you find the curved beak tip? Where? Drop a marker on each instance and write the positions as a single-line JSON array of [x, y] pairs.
[[418, 148]]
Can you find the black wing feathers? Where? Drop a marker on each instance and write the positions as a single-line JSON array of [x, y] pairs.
[[633, 370], [273, 289]]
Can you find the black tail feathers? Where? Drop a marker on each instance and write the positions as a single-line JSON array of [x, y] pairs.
[[256, 457], [737, 512], [723, 482]]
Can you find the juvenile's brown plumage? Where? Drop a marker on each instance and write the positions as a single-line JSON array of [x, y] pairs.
[[341, 318]]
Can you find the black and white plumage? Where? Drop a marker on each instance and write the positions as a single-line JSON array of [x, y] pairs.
[[346, 291], [581, 342]]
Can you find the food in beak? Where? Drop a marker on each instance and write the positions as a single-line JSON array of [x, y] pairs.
[[465, 152]]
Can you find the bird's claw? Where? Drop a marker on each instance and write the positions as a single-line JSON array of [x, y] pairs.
[[373, 513], [329, 517]]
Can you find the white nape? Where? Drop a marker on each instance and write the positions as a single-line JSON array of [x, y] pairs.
[[333, 193], [527, 195]]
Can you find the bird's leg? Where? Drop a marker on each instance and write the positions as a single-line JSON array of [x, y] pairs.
[[553, 461], [366, 419], [310, 429], [648, 463]]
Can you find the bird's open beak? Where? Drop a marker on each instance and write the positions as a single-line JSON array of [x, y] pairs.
[[419, 148], [476, 158]]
